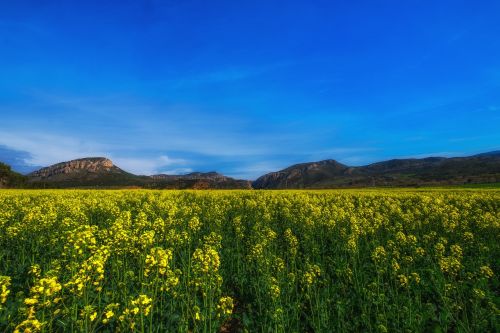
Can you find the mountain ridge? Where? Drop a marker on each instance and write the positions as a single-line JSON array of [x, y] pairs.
[[101, 172], [427, 171], [91, 165]]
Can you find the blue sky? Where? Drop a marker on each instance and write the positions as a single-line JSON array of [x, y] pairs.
[[247, 87]]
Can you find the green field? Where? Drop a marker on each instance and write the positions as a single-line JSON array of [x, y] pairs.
[[251, 261]]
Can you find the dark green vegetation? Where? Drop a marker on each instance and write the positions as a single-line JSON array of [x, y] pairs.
[[481, 185], [9, 178], [250, 261], [432, 171]]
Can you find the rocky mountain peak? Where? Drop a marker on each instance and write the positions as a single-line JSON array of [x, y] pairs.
[[85, 165]]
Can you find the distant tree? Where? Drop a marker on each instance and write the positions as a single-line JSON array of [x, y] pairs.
[[9, 178]]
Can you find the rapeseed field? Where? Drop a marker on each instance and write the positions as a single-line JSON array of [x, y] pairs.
[[249, 261]]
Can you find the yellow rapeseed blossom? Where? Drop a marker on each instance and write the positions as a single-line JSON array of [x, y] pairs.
[[225, 306], [4, 289], [31, 325], [140, 305], [415, 277], [379, 255], [274, 290], [206, 260], [486, 271], [292, 242], [403, 280], [35, 271], [158, 260], [137, 260], [109, 312], [311, 274]]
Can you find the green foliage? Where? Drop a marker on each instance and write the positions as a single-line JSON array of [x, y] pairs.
[[252, 261], [9, 178]]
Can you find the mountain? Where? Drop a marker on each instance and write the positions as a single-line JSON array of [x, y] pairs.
[[482, 168], [101, 172], [90, 171], [302, 175], [199, 180], [489, 154], [9, 178]]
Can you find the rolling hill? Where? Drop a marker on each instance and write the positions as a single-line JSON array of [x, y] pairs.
[[438, 171]]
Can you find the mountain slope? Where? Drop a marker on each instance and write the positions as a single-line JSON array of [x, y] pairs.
[[101, 172], [198, 180], [482, 168], [302, 175], [91, 171]]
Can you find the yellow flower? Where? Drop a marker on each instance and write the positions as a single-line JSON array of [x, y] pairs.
[[311, 274], [403, 280], [275, 291], [197, 315], [35, 271], [29, 325], [141, 305], [158, 260], [206, 260], [379, 254], [486, 271], [478, 293], [395, 265], [4, 288], [225, 306], [30, 301]]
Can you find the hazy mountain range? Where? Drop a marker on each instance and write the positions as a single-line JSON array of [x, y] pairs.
[[100, 172]]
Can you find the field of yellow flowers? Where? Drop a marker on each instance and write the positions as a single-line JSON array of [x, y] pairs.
[[249, 261]]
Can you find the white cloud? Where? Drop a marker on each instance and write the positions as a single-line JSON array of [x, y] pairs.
[[48, 149], [177, 171], [45, 149], [170, 161], [146, 166], [255, 170]]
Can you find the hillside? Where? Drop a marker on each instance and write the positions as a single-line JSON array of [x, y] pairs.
[[91, 171], [482, 168], [101, 172], [9, 178], [302, 175], [198, 180]]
